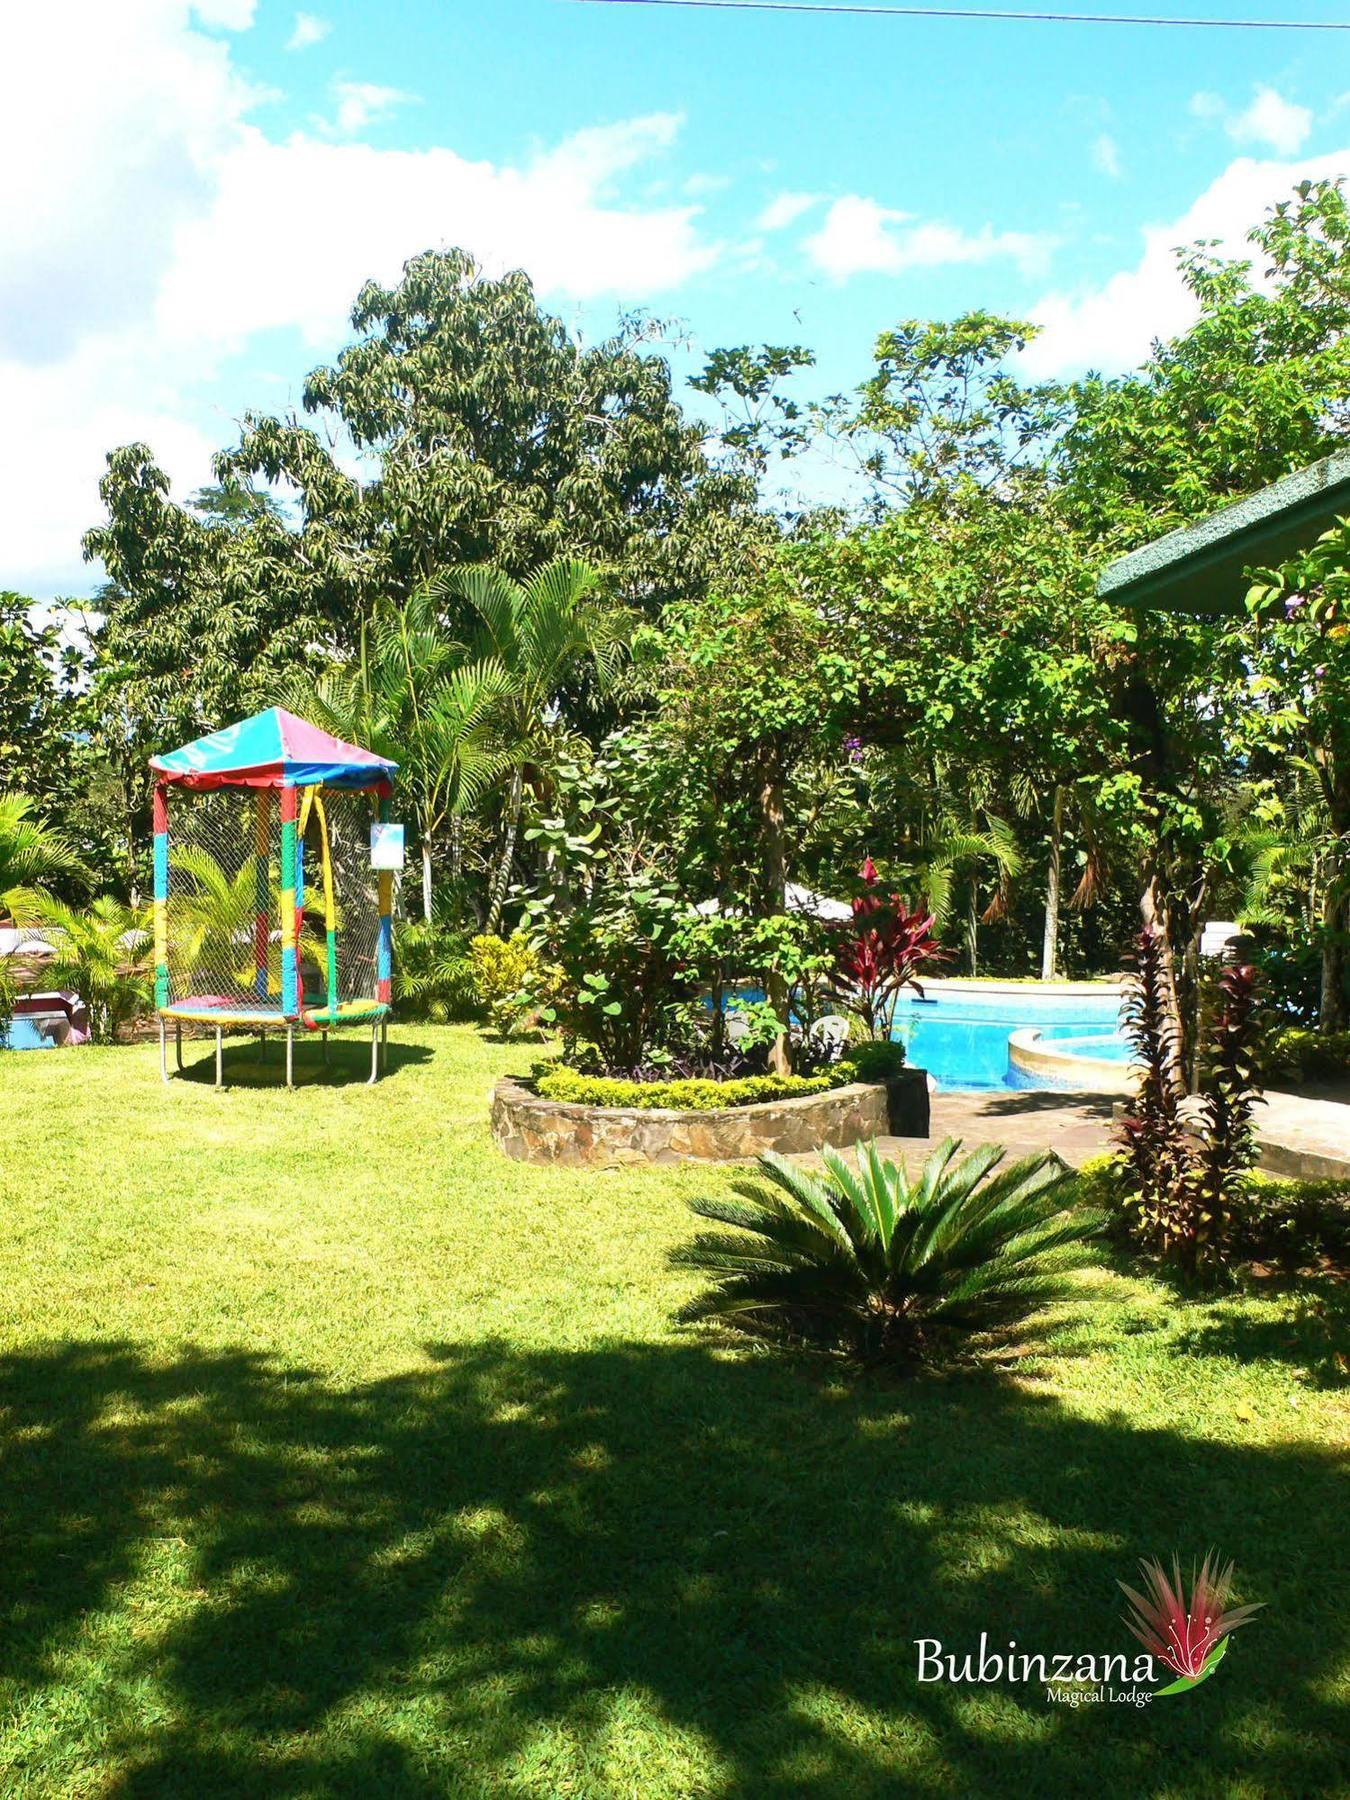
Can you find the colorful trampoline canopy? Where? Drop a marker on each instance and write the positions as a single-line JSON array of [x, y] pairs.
[[273, 749]]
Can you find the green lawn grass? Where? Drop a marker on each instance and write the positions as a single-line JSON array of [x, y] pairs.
[[342, 1456]]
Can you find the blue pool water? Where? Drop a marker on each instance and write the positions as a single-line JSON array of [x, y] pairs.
[[25, 1033], [962, 1040]]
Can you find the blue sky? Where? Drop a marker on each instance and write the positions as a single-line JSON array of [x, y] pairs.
[[191, 194]]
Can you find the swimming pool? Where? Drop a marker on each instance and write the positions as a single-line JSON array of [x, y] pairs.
[[961, 1037], [34, 1031]]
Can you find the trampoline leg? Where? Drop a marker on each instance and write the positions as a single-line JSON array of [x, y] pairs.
[[290, 1056], [374, 1053], [220, 1060], [384, 1045], [163, 1053], [178, 1044], [325, 1049]]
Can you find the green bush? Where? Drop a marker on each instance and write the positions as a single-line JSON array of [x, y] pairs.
[[874, 1061], [558, 1082], [876, 1265], [1292, 1223], [1299, 1054], [433, 978], [508, 979]]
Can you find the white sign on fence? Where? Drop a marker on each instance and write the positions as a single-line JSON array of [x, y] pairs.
[[386, 846]]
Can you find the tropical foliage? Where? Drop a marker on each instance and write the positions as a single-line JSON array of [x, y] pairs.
[[101, 955], [640, 707], [880, 1266], [1186, 1169], [33, 858]]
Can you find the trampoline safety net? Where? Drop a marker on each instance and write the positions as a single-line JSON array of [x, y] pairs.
[[225, 886]]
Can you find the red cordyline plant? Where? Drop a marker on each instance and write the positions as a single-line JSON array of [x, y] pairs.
[[1189, 1638], [880, 952], [1183, 1186]]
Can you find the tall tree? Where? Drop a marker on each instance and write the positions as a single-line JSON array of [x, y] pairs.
[[542, 634]]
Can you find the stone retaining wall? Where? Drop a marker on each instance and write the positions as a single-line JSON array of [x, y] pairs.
[[554, 1131]]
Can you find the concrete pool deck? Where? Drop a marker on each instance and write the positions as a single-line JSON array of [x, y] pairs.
[[1298, 1136]]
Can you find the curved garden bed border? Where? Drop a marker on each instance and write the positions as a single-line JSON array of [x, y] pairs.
[[556, 1131]]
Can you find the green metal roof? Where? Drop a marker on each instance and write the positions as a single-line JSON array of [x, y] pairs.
[[1200, 569]]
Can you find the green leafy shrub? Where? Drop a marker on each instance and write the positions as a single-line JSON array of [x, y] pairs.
[[1182, 1184], [433, 978], [1291, 1223], [876, 1266], [102, 954], [1298, 1054], [509, 979], [559, 1082], [876, 1061]]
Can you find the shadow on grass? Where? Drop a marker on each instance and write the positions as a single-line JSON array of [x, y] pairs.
[[497, 1574], [1314, 1337], [247, 1063]]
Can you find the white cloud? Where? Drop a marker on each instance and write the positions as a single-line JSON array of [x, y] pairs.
[[227, 15], [784, 210], [858, 237], [361, 103], [854, 239], [139, 255], [1111, 327], [1106, 156], [1272, 121], [307, 31]]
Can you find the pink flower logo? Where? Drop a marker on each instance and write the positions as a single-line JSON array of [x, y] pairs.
[[1189, 1638]]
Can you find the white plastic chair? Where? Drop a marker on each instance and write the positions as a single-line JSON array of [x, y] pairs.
[[831, 1033]]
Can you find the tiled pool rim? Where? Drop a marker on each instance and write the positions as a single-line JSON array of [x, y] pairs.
[[1043, 1065]]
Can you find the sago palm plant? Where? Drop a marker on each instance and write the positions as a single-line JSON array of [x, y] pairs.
[[884, 1268]]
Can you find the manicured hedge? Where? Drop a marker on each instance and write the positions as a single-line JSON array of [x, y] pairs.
[[558, 1082]]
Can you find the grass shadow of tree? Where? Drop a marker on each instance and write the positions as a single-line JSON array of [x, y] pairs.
[[638, 1568], [1314, 1336]]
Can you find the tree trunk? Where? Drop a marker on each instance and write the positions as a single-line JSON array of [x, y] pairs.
[[973, 923], [1153, 907], [775, 883], [1331, 1013], [456, 847], [426, 880], [502, 879], [1050, 943]]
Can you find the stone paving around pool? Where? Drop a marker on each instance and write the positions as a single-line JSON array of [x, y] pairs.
[[1078, 1126], [1298, 1135]]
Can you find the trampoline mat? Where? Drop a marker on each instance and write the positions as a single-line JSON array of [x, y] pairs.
[[221, 1010]]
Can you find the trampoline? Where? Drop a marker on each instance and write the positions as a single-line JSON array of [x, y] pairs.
[[273, 886]]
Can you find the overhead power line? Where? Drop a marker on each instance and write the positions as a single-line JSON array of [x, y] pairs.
[[980, 12]]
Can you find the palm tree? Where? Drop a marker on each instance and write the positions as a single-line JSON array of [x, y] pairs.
[[882, 1267], [31, 856], [544, 632], [1297, 870], [101, 956], [411, 695]]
